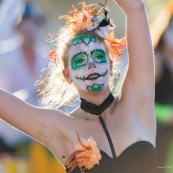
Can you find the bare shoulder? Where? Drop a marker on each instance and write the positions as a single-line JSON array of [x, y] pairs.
[[63, 133], [56, 122]]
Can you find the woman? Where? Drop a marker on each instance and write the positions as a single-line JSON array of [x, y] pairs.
[[123, 128]]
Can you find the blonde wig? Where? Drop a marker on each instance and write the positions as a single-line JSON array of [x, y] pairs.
[[89, 20]]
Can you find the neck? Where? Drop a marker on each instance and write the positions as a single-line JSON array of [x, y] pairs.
[[97, 109], [95, 98]]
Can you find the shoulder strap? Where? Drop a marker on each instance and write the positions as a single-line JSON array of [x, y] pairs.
[[108, 136]]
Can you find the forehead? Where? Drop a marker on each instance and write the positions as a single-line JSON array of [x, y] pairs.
[[84, 44]]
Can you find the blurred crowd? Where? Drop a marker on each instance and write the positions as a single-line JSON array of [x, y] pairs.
[[21, 63], [162, 35], [20, 60]]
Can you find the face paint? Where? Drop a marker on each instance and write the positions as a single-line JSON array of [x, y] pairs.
[[92, 76], [95, 87], [85, 39], [89, 68], [99, 56], [79, 60]]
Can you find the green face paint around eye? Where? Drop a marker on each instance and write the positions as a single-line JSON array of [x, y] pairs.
[[79, 60], [99, 56]]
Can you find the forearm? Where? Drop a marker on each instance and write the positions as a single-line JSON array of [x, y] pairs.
[[137, 30], [138, 33], [130, 6], [33, 121], [140, 51], [9, 105], [18, 113]]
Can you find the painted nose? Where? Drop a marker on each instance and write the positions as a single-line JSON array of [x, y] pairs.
[[91, 65]]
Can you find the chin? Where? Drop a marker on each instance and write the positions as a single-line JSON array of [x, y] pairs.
[[86, 92]]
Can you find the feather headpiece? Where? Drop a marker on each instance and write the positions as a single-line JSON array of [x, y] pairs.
[[93, 18]]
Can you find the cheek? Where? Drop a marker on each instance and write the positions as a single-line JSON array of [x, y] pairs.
[[77, 73], [72, 72]]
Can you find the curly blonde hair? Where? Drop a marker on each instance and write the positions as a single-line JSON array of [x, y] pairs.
[[58, 92]]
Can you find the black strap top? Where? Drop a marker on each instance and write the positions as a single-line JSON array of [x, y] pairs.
[[137, 158]]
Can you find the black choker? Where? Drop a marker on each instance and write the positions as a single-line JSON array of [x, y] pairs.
[[96, 109]]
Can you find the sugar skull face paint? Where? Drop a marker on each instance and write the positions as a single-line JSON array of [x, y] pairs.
[[88, 64], [81, 59], [85, 39]]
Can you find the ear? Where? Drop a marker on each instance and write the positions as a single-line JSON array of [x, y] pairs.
[[67, 75]]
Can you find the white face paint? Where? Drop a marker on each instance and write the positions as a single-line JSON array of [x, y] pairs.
[[89, 66]]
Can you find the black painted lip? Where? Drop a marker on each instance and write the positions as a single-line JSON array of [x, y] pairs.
[[92, 76]]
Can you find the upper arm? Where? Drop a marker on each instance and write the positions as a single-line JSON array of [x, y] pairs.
[[33, 121], [140, 72]]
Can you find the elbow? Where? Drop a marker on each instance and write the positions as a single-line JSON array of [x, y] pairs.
[[140, 5]]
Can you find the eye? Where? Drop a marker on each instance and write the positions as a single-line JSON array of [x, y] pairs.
[[99, 56], [79, 60]]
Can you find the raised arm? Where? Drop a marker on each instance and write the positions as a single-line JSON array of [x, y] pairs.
[[140, 75], [35, 122]]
